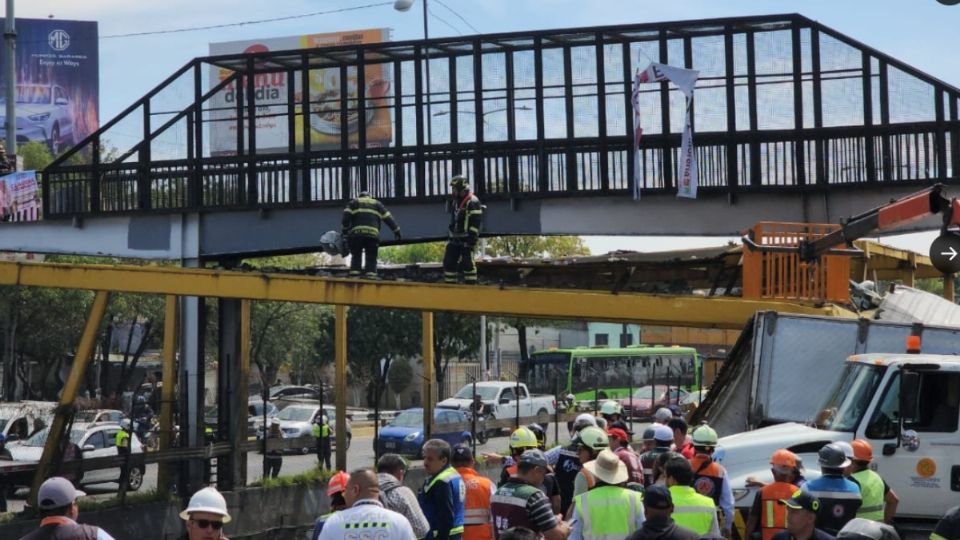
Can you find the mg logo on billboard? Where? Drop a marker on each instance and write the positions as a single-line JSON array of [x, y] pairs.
[[59, 40]]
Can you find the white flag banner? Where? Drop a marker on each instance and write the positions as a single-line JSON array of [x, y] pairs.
[[686, 81]]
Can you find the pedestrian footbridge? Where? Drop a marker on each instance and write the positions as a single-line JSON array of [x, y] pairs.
[[256, 153]]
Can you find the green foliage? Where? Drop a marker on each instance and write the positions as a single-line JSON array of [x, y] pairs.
[[141, 497], [285, 333], [400, 375], [36, 155], [413, 253], [313, 477], [532, 247]]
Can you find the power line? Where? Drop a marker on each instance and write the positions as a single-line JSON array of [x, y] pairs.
[[446, 22], [451, 10], [247, 23]]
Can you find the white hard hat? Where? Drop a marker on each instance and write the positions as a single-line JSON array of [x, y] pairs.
[[207, 500], [846, 447], [125, 424], [663, 415]]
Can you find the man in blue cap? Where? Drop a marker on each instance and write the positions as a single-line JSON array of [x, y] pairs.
[[802, 511]]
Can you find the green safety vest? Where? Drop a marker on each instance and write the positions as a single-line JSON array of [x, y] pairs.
[[692, 510], [321, 431], [871, 491], [608, 512], [122, 439]]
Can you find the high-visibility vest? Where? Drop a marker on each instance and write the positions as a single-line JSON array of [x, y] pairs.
[[871, 491], [457, 495], [508, 506], [608, 512], [476, 507], [321, 431], [773, 515], [693, 510], [708, 477], [122, 439]]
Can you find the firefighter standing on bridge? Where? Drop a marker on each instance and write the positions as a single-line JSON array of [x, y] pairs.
[[465, 220], [361, 226]]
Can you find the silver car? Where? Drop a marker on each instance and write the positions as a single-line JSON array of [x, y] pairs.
[[297, 421]]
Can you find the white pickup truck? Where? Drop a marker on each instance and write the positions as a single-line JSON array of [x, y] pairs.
[[500, 400], [906, 405]]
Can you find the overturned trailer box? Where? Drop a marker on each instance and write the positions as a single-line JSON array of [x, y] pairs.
[[784, 366]]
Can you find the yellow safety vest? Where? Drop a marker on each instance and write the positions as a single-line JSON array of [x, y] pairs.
[[608, 512], [321, 432], [871, 491], [692, 510], [122, 439]]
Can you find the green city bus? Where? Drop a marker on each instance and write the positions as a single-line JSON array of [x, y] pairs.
[[610, 373]]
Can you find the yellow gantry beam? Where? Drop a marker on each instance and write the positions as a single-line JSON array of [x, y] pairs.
[[691, 311]]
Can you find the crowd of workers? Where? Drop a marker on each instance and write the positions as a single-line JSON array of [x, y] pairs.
[[596, 488]]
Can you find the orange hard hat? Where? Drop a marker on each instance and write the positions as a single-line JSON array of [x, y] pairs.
[[337, 483], [862, 451], [784, 458]]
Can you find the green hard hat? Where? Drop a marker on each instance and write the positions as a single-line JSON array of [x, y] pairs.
[[594, 438], [610, 407], [704, 435]]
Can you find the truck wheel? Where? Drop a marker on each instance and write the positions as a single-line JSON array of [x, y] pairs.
[[136, 479], [482, 436]]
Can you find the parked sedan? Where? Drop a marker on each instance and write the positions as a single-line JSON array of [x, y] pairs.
[[297, 421], [404, 435], [98, 417], [93, 442], [647, 399]]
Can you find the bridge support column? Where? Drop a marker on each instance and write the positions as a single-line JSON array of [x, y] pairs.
[[192, 326], [340, 396], [233, 370], [164, 470], [428, 390]]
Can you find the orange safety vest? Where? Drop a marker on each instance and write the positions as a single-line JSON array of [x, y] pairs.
[[591, 481], [476, 507], [773, 515], [707, 477]]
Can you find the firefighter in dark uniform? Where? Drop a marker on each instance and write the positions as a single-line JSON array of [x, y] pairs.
[[465, 220], [361, 226]]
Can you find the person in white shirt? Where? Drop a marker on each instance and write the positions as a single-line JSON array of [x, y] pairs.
[[365, 516]]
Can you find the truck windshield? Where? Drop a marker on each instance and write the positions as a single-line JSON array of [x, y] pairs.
[[850, 398], [485, 392]]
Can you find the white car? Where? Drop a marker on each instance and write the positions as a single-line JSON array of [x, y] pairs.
[[44, 114], [93, 442], [297, 421]]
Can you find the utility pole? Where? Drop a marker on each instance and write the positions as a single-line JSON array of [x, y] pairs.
[[10, 37]]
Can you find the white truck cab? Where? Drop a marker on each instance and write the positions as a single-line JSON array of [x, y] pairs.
[[906, 405]]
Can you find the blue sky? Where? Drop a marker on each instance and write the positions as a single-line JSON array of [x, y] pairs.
[[923, 33]]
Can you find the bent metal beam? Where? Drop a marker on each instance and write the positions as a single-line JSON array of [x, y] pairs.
[[688, 311]]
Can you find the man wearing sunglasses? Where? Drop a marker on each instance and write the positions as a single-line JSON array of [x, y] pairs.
[[205, 515]]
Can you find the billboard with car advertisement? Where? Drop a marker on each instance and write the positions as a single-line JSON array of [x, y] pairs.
[[324, 111], [58, 82]]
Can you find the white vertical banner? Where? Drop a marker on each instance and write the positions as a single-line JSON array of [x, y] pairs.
[[686, 81], [637, 133]]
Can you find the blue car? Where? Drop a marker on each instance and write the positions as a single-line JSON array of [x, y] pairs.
[[404, 435]]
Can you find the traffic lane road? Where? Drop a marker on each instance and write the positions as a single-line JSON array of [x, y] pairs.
[[359, 455]]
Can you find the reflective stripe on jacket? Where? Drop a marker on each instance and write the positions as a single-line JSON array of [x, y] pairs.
[[608, 513], [694, 511], [773, 515], [476, 507], [872, 494]]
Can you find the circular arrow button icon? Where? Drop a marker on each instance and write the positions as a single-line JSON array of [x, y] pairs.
[[945, 253]]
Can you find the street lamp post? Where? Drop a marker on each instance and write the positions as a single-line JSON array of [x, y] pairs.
[[405, 5], [10, 37]]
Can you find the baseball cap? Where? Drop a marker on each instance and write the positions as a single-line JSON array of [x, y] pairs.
[[57, 492], [618, 433], [534, 456], [657, 497], [802, 500], [663, 415], [663, 433]]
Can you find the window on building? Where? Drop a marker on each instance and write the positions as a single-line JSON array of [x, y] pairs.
[[601, 340]]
